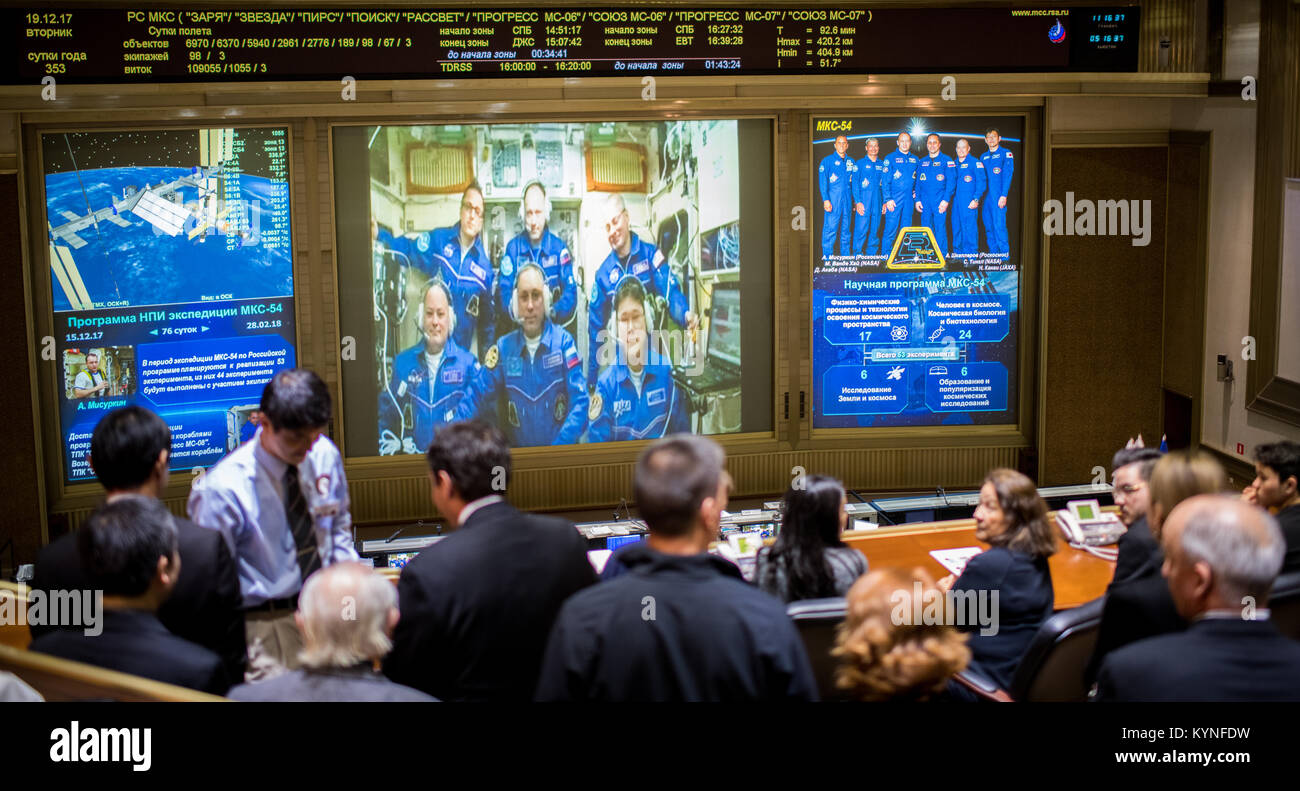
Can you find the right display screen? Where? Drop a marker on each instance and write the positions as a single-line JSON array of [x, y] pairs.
[[916, 276]]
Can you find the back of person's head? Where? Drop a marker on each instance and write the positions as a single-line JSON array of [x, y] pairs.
[[1238, 546], [346, 612], [673, 478], [121, 543], [810, 524], [296, 399], [125, 446], [475, 455], [1145, 458], [886, 653], [1028, 530], [1178, 476]]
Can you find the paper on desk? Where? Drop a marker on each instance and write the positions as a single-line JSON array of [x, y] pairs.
[[955, 559]]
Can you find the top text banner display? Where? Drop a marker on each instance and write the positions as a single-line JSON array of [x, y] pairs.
[[123, 44]]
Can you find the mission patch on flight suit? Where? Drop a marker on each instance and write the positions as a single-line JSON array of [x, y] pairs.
[[597, 405], [561, 407], [490, 360]]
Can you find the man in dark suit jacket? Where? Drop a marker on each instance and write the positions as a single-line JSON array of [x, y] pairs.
[[1223, 558], [680, 624], [1138, 549], [129, 452], [1277, 488], [476, 606], [129, 550]]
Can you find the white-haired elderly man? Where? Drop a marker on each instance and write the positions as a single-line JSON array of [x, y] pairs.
[[346, 614], [1221, 558]]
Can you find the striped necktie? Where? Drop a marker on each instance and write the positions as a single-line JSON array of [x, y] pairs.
[[300, 524]]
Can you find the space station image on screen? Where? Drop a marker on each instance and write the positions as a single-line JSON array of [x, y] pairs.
[[916, 276], [569, 282], [171, 279]]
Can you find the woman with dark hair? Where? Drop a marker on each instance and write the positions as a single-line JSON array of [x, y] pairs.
[[808, 560], [1011, 581]]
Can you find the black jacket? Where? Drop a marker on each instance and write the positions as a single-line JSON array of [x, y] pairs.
[[1138, 551], [136, 642], [1025, 600], [1213, 660], [476, 607], [675, 628], [203, 608], [1289, 520]]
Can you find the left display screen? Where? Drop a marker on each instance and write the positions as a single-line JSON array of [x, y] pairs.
[[171, 276]]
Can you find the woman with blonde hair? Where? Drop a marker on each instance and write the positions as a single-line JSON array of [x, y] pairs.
[[1141, 607], [885, 651]]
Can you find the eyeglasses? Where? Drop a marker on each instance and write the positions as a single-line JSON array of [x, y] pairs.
[[476, 211], [1131, 488]]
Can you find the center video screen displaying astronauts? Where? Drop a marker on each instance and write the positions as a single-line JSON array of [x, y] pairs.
[[569, 282], [916, 270]]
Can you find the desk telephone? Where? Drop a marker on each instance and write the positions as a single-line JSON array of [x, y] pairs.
[[1083, 522]]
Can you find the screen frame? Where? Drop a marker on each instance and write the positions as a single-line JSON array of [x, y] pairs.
[[613, 452], [1027, 348], [59, 493]]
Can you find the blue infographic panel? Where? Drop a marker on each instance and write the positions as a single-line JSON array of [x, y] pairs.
[[172, 281], [917, 279]]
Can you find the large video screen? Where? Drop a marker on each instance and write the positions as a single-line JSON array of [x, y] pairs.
[[171, 278], [916, 275], [570, 282]]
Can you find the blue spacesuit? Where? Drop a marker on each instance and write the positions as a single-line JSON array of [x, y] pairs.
[[999, 166], [835, 181], [934, 185], [432, 399], [619, 412], [469, 278], [646, 262], [868, 189], [538, 399], [971, 185], [900, 180], [552, 255]]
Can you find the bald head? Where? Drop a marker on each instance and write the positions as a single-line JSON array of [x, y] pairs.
[[1219, 551]]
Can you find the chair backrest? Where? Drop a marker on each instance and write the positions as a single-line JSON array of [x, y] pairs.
[[1284, 604], [14, 634], [981, 687], [817, 621], [1053, 667], [62, 679]]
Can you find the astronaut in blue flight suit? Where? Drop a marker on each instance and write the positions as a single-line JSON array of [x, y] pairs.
[[536, 243], [999, 167], [900, 181], [835, 181], [935, 183], [868, 200], [456, 255], [531, 381], [629, 255], [433, 381], [971, 185], [636, 397]]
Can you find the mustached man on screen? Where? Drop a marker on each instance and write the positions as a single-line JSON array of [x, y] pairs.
[[935, 182], [636, 397], [532, 378], [537, 244], [868, 200], [629, 255], [900, 183], [432, 380], [835, 183], [457, 255], [972, 183]]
